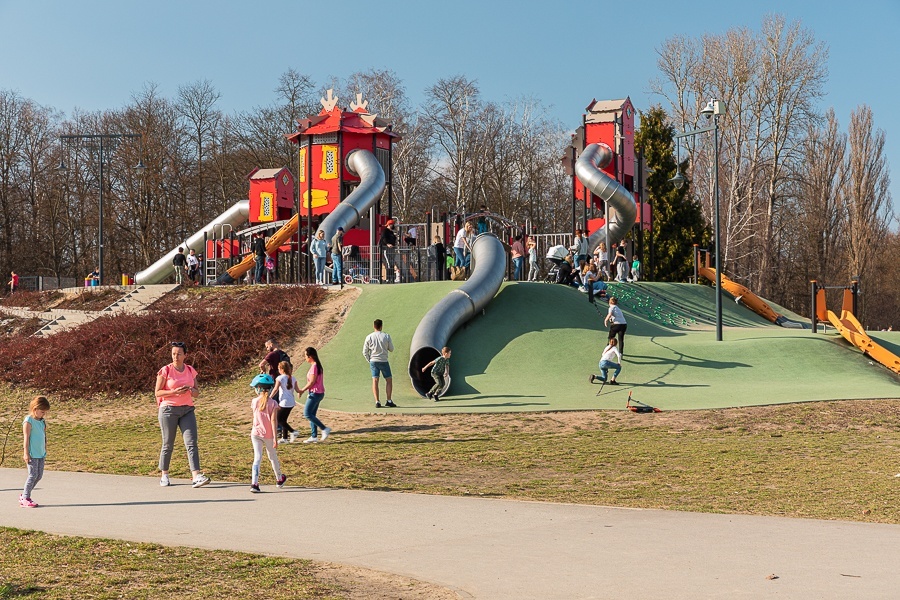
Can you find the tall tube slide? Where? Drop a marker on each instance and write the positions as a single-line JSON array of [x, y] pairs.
[[361, 163], [158, 271], [623, 210], [457, 307]]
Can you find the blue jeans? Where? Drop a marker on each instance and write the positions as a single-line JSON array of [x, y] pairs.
[[260, 268], [320, 268], [309, 411], [605, 365], [337, 268], [517, 267]]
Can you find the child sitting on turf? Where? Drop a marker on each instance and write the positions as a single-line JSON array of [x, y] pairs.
[[610, 359], [440, 368]]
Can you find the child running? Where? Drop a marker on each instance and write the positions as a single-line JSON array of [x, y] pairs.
[[285, 386], [440, 368], [315, 385], [263, 431], [34, 433], [610, 359]]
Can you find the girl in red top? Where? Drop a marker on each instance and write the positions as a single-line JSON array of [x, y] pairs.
[[176, 388], [315, 384]]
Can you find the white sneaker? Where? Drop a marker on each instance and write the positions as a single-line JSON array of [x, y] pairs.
[[325, 433], [200, 481], [164, 481], [311, 440], [294, 436], [582, 289]]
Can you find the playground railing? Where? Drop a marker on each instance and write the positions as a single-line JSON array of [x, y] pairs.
[[44, 284]]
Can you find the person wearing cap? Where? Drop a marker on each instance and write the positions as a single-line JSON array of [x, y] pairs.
[[337, 263], [387, 242]]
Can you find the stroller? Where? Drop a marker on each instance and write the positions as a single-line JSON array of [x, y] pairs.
[[555, 255]]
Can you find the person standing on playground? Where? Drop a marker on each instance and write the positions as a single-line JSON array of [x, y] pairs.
[[283, 393], [620, 263], [262, 432], [388, 242], [13, 282], [532, 260], [517, 253], [462, 245], [315, 385], [179, 262], [440, 368], [337, 257], [193, 267], [34, 433], [176, 388], [438, 253], [259, 249], [615, 320], [610, 359], [579, 248], [375, 350], [482, 219], [319, 248]]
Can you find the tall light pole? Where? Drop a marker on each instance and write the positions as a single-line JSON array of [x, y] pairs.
[[713, 109], [62, 168]]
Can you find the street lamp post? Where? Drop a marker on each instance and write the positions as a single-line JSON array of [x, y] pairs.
[[101, 137], [713, 109]]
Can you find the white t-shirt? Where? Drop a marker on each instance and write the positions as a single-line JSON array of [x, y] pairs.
[[612, 354], [286, 389], [460, 239], [616, 313], [192, 261]]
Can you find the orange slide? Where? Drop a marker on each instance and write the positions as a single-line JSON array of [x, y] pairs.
[[750, 300], [854, 333], [281, 237]]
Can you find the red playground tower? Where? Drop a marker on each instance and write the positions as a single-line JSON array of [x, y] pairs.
[[325, 140], [271, 195]]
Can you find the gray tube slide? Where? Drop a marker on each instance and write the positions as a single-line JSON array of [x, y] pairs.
[[158, 271], [457, 307], [621, 202], [364, 165]]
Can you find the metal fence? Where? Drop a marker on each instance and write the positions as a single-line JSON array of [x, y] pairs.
[[373, 264], [45, 284]]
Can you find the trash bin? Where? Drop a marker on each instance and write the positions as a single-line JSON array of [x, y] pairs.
[[87, 282], [125, 278], [95, 282]]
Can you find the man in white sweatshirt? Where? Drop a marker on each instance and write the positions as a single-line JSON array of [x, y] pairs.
[[375, 350]]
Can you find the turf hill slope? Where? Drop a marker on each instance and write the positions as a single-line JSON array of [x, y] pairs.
[[536, 344]]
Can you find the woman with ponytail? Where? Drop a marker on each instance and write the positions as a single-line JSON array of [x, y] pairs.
[[315, 385]]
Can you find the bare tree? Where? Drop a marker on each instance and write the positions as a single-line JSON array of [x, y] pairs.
[[196, 105]]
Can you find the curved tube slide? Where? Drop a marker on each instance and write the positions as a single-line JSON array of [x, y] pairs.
[[744, 296], [623, 209], [854, 333], [457, 307], [361, 163], [162, 268]]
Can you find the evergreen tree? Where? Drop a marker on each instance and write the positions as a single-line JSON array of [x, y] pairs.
[[677, 220]]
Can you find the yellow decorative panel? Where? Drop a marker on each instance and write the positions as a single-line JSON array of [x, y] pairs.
[[329, 162], [266, 206], [302, 161]]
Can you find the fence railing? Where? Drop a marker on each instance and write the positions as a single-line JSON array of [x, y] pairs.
[[44, 284]]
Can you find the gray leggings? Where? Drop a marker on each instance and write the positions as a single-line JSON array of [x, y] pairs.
[[170, 419], [35, 472]]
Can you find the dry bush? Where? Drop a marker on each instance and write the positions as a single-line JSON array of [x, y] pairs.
[[224, 331], [32, 300]]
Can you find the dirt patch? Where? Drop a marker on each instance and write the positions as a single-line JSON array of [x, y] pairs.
[[91, 299], [356, 583], [20, 326]]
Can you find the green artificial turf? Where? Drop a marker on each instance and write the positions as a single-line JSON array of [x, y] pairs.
[[536, 344]]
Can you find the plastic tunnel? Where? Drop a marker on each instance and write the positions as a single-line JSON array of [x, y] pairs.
[[457, 307]]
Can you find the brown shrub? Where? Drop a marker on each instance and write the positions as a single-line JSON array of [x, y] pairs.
[[224, 331]]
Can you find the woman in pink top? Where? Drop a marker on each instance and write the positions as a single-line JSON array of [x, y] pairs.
[[176, 388], [315, 384], [262, 433]]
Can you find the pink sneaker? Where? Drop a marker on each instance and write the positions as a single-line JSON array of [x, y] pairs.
[[27, 502]]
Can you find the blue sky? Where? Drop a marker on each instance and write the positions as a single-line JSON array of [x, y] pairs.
[[93, 54]]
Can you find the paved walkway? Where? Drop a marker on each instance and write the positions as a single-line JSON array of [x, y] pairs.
[[485, 548]]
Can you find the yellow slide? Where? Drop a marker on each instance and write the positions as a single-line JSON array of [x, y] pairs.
[[749, 299], [854, 333], [280, 237]]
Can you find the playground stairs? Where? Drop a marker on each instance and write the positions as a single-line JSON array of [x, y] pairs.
[[135, 299]]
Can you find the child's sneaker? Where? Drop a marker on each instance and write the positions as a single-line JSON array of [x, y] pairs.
[[254, 488], [311, 440], [280, 482], [325, 433], [436, 397], [27, 502], [200, 481], [164, 481], [294, 436], [592, 379]]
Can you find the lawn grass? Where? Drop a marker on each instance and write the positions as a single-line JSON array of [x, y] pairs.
[[41, 565]]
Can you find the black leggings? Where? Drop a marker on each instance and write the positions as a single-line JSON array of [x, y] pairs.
[[282, 418], [619, 331]]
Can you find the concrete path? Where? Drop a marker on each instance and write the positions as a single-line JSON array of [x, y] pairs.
[[484, 548]]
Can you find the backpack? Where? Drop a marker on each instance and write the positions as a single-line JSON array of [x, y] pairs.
[[283, 357]]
